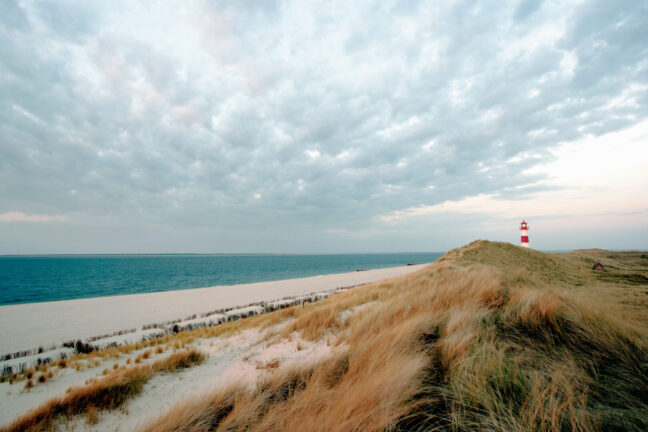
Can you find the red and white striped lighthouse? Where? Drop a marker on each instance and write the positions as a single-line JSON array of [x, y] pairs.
[[524, 242]]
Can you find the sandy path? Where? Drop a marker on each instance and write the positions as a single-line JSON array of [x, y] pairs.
[[27, 326]]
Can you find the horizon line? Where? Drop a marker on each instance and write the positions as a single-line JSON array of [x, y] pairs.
[[213, 253]]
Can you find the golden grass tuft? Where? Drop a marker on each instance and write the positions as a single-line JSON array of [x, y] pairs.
[[178, 360], [92, 416], [272, 364], [316, 322]]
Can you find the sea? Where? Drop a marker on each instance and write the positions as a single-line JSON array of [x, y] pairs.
[[29, 279]]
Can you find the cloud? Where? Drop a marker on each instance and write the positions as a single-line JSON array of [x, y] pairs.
[[21, 217], [593, 177], [525, 8], [539, 205], [286, 116]]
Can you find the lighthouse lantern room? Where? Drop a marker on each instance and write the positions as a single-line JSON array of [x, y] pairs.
[[525, 236]]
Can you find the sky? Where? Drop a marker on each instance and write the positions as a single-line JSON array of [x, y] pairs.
[[321, 126]]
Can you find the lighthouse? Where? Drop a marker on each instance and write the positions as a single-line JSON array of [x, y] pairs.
[[524, 242]]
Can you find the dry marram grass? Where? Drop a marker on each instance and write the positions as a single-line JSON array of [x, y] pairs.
[[491, 338]]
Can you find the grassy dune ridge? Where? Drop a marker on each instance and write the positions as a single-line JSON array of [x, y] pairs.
[[491, 337]]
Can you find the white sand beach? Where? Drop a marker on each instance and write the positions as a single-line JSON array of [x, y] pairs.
[[28, 326], [239, 358]]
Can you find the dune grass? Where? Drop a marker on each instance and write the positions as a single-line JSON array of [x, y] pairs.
[[492, 337], [104, 394]]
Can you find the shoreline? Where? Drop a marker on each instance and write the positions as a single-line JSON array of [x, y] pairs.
[[27, 326], [47, 278]]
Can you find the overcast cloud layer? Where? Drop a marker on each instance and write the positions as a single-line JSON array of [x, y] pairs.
[[325, 126]]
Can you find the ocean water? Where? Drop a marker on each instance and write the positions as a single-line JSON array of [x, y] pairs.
[[28, 279]]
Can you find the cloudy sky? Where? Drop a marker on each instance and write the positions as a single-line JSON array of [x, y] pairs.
[[321, 126]]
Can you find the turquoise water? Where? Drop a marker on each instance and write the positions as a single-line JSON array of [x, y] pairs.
[[28, 279]]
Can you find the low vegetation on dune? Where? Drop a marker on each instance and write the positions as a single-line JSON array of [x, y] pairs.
[[103, 394], [491, 337]]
